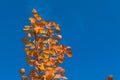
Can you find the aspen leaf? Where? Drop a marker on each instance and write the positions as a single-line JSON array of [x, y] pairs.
[[46, 55], [44, 22], [25, 40], [33, 53], [34, 11], [54, 42], [24, 77], [41, 66], [28, 44], [69, 54], [62, 71], [27, 50], [37, 17], [40, 56], [32, 46], [32, 20], [46, 59], [59, 37], [49, 63], [36, 14], [53, 52], [22, 71], [57, 28], [60, 60], [26, 28], [58, 76], [42, 31], [31, 62], [36, 30], [29, 35]]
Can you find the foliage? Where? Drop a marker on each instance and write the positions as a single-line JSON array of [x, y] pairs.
[[43, 50]]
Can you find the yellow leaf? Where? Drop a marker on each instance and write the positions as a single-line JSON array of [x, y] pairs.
[[58, 76], [53, 52], [41, 66], [49, 63], [27, 28], [32, 20], [32, 46], [27, 50], [36, 30], [33, 53], [29, 35], [40, 56], [45, 59], [46, 55], [42, 31]]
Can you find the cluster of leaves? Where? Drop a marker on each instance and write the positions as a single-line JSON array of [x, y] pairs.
[[43, 50]]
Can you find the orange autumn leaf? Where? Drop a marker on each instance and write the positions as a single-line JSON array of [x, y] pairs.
[[69, 54], [46, 55], [36, 15], [59, 37], [32, 20], [28, 44], [24, 77], [22, 71], [57, 28], [32, 46], [29, 35], [42, 67], [57, 76], [26, 28]]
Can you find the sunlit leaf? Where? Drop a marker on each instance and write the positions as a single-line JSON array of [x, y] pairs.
[[27, 50], [46, 55], [36, 15], [59, 37], [41, 66], [24, 78], [36, 30], [57, 28], [42, 31], [26, 28], [28, 44], [58, 76], [32, 20], [29, 35], [22, 71], [53, 52], [32, 46]]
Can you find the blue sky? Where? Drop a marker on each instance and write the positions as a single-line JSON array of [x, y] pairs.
[[90, 27]]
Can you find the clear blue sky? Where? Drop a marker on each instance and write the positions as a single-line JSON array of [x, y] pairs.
[[90, 27]]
